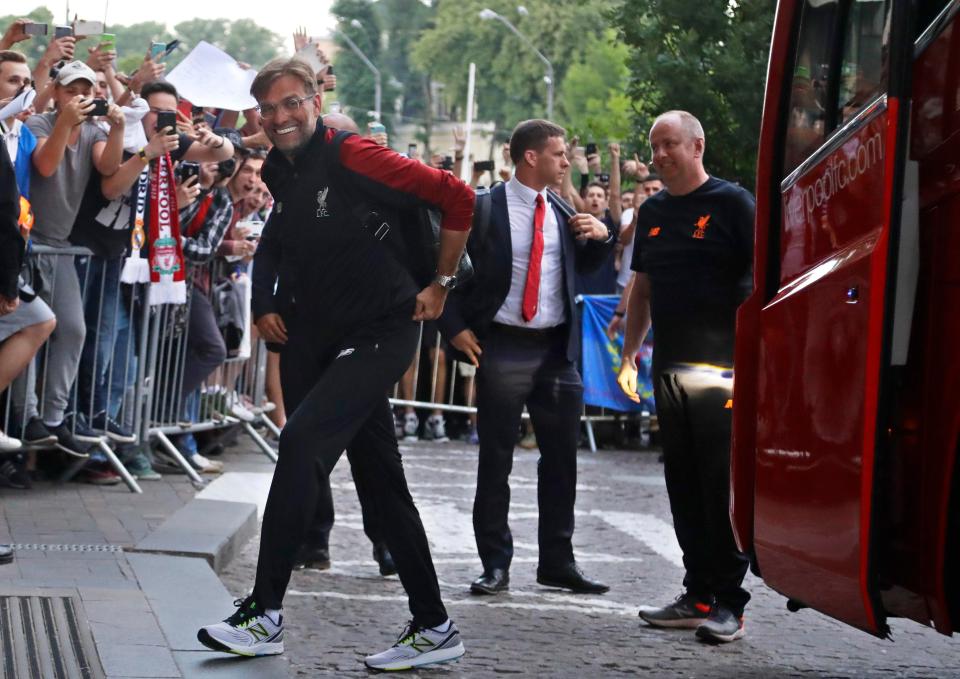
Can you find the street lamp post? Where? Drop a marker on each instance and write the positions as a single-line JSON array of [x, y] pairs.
[[373, 69], [488, 13]]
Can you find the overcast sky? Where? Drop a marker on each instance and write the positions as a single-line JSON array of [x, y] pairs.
[[280, 16]]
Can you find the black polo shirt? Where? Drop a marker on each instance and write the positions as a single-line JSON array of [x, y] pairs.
[[697, 250]]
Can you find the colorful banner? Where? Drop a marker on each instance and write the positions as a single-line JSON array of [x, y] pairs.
[[600, 362]]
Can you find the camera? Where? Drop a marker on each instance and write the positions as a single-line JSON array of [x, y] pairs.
[[100, 108], [447, 163], [187, 169], [604, 178], [167, 119]]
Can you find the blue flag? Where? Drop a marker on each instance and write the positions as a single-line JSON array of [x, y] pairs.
[[601, 359]]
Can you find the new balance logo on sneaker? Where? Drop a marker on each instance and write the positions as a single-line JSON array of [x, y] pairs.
[[248, 632], [418, 647]]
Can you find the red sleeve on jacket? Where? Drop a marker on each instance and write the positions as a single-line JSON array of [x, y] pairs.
[[384, 165]]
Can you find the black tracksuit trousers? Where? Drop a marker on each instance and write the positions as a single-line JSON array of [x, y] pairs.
[[695, 427], [347, 406]]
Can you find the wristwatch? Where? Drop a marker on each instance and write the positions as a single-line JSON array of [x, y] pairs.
[[446, 282]]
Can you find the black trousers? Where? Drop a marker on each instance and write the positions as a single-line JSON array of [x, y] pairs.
[[695, 427], [527, 368], [347, 405], [299, 368]]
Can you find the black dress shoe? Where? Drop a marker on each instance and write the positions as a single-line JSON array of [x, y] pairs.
[[6, 554], [494, 581], [570, 577], [384, 559], [314, 558]]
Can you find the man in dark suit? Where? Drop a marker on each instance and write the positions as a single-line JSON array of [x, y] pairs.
[[519, 313]]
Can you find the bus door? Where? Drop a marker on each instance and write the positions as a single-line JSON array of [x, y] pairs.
[[825, 323]]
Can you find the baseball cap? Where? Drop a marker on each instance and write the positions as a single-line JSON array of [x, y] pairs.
[[76, 70]]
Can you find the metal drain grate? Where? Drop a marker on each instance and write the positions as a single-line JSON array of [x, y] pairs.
[[115, 549], [45, 637]]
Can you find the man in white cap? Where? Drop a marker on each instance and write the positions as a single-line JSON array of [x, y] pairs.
[[69, 146]]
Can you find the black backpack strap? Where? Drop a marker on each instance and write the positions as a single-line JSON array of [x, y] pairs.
[[566, 209], [330, 152], [483, 205]]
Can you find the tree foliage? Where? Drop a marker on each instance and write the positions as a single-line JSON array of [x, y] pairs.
[[242, 39], [355, 81], [510, 77], [708, 58], [593, 101]]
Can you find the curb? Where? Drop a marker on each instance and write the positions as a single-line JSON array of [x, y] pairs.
[[214, 530]]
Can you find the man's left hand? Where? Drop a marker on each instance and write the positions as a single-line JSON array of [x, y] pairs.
[[430, 303], [588, 227]]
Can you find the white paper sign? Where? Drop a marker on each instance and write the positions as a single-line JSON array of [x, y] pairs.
[[19, 104], [211, 77]]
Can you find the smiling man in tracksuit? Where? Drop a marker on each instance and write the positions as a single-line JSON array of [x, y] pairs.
[[343, 309]]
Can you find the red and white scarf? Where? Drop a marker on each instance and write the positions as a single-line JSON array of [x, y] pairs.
[[164, 269]]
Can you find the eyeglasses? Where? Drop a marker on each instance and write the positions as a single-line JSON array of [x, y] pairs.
[[291, 105]]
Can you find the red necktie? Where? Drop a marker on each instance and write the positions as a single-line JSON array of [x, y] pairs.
[[531, 292]]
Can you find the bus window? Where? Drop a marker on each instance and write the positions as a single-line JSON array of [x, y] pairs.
[[806, 128], [864, 67]]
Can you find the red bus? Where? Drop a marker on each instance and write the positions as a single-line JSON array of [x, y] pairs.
[[845, 483]]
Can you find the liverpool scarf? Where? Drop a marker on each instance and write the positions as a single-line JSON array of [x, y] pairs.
[[164, 267]]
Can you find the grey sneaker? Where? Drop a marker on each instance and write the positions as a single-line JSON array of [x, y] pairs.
[[436, 429], [417, 647], [249, 632], [721, 626], [411, 423], [686, 612]]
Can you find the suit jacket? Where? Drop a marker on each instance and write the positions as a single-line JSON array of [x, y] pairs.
[[474, 304]]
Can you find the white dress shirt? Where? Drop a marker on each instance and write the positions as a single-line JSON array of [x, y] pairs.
[[551, 307], [11, 137]]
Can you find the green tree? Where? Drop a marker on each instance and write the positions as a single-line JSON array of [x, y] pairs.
[[510, 77], [242, 39], [402, 22], [360, 21], [133, 42], [593, 101], [708, 58]]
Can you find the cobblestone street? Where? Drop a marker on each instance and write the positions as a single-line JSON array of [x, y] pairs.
[[624, 537]]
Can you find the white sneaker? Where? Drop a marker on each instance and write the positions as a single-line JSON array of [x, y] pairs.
[[411, 423], [437, 429], [238, 409], [8, 444], [418, 647], [248, 632], [204, 465]]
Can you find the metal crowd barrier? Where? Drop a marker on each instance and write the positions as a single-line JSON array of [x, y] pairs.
[[131, 366], [467, 406]]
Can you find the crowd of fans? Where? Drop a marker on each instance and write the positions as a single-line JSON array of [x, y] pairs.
[[84, 155]]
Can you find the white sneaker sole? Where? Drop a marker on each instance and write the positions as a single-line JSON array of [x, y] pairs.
[[438, 657], [703, 633], [265, 648]]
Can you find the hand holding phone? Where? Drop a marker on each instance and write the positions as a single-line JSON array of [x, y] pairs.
[[165, 120], [483, 166]]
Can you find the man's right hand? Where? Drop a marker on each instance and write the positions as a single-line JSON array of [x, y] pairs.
[[59, 49], [161, 144], [627, 379], [76, 111], [8, 305], [272, 329], [466, 342]]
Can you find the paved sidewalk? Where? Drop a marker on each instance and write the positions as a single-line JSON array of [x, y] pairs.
[[135, 571]]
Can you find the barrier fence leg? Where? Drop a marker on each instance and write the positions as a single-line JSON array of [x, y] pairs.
[[590, 436], [171, 450], [118, 466], [260, 441], [274, 429]]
